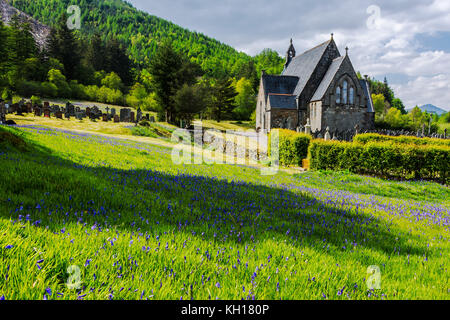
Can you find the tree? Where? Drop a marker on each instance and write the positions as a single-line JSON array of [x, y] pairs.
[[270, 61], [118, 61], [63, 45], [416, 118], [245, 99], [379, 104], [223, 95], [398, 104], [59, 80], [394, 118], [112, 81], [96, 53], [169, 71], [189, 100]]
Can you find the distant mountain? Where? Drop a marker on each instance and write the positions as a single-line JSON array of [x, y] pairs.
[[39, 30], [431, 109]]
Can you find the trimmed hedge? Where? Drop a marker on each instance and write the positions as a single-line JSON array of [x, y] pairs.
[[293, 147], [373, 137], [385, 159]]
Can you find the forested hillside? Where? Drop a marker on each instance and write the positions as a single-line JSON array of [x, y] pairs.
[[141, 33]]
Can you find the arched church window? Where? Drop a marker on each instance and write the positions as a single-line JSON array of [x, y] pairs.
[[338, 94], [352, 95], [344, 93]]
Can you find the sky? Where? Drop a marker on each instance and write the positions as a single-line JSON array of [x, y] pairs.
[[407, 41]]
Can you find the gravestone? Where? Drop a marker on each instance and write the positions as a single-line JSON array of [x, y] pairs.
[[327, 134], [67, 115], [79, 115], [152, 119], [147, 116], [37, 111], [17, 108], [113, 112], [116, 119], [308, 127], [132, 117], [70, 109], [105, 117], [2, 113], [47, 113], [138, 115], [125, 115], [58, 115], [54, 109], [95, 112], [29, 107], [88, 112]]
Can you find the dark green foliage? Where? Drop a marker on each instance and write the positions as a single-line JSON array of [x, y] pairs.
[[386, 159], [190, 100], [63, 45], [140, 32], [170, 70], [222, 104], [293, 147]]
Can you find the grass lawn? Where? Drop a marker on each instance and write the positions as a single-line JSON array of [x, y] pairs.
[[118, 217]]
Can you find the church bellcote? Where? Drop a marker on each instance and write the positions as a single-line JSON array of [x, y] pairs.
[[289, 55]]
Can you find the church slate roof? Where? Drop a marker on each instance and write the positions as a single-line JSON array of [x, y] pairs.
[[329, 76], [366, 89], [304, 65], [282, 101], [279, 84]]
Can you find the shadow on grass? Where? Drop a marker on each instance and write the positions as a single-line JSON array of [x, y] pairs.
[[37, 182]]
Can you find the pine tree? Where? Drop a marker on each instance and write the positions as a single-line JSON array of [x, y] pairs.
[[117, 61], [223, 99], [170, 70], [63, 45], [95, 55]]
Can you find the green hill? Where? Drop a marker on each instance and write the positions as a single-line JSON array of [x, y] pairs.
[[142, 32]]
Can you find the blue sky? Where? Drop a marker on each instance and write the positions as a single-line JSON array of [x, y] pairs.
[[406, 40]]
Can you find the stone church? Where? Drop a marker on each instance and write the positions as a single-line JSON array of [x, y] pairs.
[[319, 87]]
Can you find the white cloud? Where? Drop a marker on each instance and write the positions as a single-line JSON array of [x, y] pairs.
[[423, 90]]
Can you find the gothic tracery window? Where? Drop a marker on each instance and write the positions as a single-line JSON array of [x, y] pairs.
[[352, 95], [338, 94], [345, 91]]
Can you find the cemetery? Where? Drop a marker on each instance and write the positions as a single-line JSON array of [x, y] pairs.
[[69, 111]]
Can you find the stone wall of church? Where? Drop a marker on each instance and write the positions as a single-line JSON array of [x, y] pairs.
[[315, 112], [330, 54], [345, 117], [283, 118], [341, 119], [261, 109]]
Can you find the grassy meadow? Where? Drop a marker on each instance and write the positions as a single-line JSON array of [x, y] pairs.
[[116, 219]]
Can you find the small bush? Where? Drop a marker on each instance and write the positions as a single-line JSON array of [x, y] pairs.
[[293, 147]]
